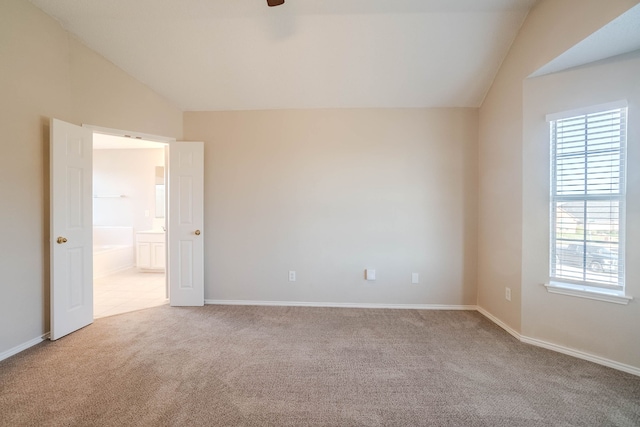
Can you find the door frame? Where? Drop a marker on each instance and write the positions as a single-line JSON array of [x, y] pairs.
[[153, 138], [129, 134]]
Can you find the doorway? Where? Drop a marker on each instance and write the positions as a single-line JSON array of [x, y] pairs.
[[71, 223], [129, 224]]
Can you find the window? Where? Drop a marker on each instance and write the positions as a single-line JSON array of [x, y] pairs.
[[588, 162]]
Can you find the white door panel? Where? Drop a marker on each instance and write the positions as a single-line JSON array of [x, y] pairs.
[[70, 228], [186, 220]]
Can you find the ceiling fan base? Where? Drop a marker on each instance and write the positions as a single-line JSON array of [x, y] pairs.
[[272, 3]]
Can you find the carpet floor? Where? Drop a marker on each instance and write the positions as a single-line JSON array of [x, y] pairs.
[[295, 366]]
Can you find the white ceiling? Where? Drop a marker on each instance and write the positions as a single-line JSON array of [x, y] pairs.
[[242, 55], [620, 36]]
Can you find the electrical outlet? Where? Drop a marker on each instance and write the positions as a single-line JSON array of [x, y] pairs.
[[507, 294], [292, 276], [415, 278], [370, 274]]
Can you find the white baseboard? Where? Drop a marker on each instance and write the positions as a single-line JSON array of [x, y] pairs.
[[341, 305], [582, 355], [561, 349], [500, 323], [17, 349]]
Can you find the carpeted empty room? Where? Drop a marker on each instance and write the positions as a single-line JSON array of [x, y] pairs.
[[299, 366], [344, 212]]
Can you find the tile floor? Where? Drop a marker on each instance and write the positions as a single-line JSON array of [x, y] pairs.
[[126, 291]]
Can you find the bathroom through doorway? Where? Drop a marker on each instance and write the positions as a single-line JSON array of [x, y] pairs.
[[129, 224]]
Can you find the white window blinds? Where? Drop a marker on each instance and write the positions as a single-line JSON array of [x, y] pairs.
[[587, 199]]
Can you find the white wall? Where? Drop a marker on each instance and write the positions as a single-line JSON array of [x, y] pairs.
[[129, 172], [46, 73], [600, 328], [328, 193]]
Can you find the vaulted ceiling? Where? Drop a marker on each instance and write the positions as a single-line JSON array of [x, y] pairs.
[[242, 55]]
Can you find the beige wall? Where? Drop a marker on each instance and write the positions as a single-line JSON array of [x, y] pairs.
[[544, 35], [328, 193], [600, 328], [45, 73], [104, 95]]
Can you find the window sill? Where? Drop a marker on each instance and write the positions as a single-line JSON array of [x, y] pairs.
[[583, 292]]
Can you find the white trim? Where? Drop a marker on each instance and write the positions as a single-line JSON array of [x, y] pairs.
[[587, 110], [582, 355], [585, 292], [129, 134], [500, 323], [22, 347], [561, 349], [341, 305]]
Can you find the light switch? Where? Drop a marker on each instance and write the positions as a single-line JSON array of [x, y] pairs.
[[415, 278]]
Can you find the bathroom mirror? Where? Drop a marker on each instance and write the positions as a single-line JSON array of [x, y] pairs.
[[160, 192]]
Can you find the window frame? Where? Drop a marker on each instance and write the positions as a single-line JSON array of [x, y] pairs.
[[585, 288]]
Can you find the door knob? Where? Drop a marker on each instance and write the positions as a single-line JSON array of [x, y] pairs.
[[61, 240], [197, 232]]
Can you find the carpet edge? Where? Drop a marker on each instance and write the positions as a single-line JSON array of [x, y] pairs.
[[559, 348], [342, 305]]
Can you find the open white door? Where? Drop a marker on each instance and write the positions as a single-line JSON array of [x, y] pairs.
[[186, 219], [71, 228]]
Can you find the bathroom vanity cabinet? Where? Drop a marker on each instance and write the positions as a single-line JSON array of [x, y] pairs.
[[150, 250]]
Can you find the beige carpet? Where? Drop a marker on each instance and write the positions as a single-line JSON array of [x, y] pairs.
[[291, 366]]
